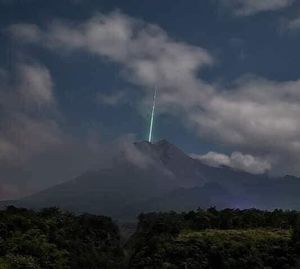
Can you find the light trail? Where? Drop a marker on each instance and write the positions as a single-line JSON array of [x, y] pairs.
[[152, 116]]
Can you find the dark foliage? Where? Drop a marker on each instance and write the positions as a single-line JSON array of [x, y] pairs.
[[55, 239], [203, 239], [212, 239]]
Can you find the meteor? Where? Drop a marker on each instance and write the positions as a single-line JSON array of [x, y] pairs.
[[152, 116]]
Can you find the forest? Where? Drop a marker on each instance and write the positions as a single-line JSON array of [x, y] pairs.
[[210, 239], [55, 239]]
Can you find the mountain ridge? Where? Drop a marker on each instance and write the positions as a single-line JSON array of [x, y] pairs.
[[165, 179]]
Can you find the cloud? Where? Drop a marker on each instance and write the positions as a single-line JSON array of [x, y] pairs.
[[252, 7], [23, 130], [293, 24], [146, 51], [28, 125], [132, 153], [25, 32], [35, 150], [35, 85], [252, 115], [213, 159], [7, 149], [236, 160], [112, 99]]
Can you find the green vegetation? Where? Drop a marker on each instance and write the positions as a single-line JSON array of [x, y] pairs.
[[249, 235], [211, 239], [220, 249], [55, 239], [203, 239]]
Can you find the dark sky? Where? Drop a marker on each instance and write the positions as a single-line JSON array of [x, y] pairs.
[[77, 78]]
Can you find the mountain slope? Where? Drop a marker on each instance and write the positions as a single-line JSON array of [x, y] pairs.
[[162, 177]]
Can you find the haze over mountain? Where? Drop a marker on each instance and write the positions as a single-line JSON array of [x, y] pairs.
[[165, 178]]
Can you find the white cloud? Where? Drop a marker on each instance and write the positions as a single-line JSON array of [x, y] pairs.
[[251, 7], [149, 55], [24, 130], [236, 160], [35, 85], [253, 115], [213, 159]]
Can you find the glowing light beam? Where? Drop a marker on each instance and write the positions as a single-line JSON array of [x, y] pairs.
[[152, 116]]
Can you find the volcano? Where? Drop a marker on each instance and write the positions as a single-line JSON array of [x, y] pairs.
[[164, 178]]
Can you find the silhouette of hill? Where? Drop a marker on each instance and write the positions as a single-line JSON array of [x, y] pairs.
[[162, 177]]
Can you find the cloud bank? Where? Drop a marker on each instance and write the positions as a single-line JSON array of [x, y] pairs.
[[252, 115]]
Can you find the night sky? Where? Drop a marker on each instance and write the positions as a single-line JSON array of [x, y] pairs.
[[77, 80]]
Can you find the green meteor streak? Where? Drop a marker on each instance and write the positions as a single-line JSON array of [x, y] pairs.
[[152, 116]]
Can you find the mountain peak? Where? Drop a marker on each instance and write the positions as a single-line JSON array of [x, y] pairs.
[[162, 142], [165, 145], [168, 150], [162, 148], [159, 144]]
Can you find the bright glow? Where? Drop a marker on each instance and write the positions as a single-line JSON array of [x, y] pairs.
[[152, 116]]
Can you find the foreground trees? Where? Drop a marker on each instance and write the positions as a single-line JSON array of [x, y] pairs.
[[202, 239], [55, 239], [212, 239]]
